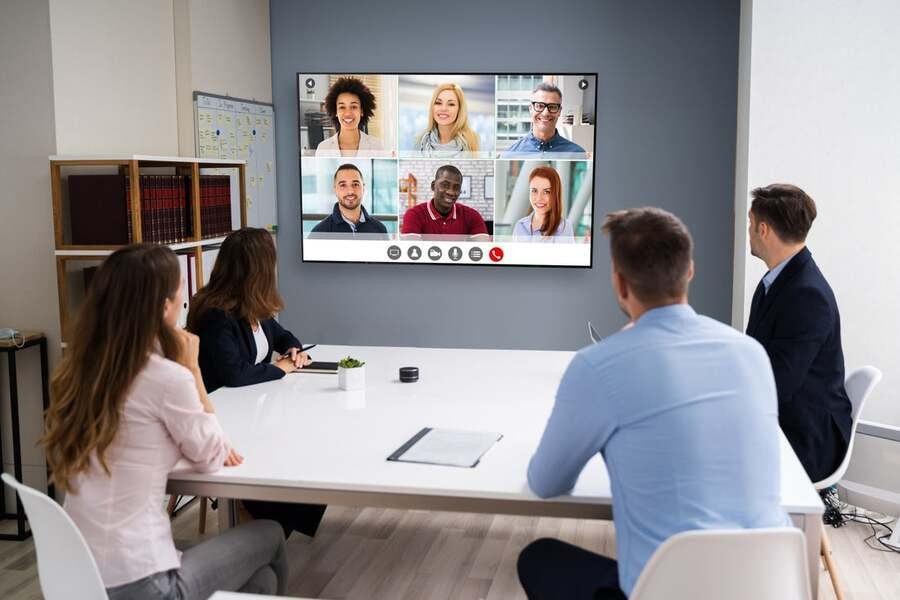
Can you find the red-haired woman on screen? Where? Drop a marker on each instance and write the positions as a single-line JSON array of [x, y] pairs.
[[546, 222]]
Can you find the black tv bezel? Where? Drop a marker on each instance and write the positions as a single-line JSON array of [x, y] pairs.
[[590, 264]]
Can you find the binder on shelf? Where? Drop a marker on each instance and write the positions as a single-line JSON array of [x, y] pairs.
[[184, 261], [210, 254]]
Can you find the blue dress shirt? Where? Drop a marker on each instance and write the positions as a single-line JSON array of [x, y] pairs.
[[529, 144], [684, 411], [522, 232], [770, 277]]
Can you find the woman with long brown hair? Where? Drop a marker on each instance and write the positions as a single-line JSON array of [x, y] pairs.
[[126, 403], [545, 222], [233, 315]]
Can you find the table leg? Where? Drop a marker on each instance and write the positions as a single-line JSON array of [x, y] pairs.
[[45, 391], [227, 509], [812, 529], [17, 442]]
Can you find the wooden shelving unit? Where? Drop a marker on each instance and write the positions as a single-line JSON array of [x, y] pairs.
[[132, 166]]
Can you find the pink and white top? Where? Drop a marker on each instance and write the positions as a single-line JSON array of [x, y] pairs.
[[122, 515]]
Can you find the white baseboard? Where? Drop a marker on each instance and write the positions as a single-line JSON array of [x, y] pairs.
[[872, 480]]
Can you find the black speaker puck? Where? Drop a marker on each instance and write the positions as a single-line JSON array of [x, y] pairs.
[[409, 374]]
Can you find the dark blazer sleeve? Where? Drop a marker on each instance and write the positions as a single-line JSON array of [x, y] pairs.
[[803, 326], [280, 339], [223, 360]]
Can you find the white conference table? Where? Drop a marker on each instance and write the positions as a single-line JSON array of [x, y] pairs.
[[305, 440]]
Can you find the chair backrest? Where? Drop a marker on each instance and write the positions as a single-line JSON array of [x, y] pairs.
[[730, 564], [66, 567], [859, 384]]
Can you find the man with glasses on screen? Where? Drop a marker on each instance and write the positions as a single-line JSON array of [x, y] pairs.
[[349, 215], [545, 108]]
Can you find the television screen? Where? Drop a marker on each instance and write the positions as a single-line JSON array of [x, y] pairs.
[[475, 169]]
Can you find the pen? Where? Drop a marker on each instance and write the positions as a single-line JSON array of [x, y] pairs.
[[304, 349]]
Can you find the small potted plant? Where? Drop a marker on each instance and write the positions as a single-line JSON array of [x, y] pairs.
[[351, 374]]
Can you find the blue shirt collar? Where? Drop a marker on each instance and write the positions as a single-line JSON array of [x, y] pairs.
[[665, 313], [541, 144], [769, 278]]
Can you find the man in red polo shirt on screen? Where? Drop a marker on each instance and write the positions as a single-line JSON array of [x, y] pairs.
[[443, 215]]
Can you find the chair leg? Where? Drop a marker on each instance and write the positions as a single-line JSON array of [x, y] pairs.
[[202, 524], [831, 567]]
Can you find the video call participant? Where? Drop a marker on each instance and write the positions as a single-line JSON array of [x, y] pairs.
[[127, 402], [545, 108], [349, 215], [545, 223], [682, 408], [350, 104], [233, 315], [794, 315], [448, 132], [443, 215]]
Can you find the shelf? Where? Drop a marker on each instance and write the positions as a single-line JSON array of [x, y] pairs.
[[88, 252], [67, 256], [123, 159]]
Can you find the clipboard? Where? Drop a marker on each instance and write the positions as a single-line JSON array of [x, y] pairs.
[[446, 447]]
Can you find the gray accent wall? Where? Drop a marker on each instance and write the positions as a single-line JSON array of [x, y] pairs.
[[666, 124]]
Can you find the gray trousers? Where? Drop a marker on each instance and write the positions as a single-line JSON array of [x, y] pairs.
[[249, 558]]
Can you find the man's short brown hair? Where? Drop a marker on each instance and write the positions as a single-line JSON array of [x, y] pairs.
[[651, 248], [787, 209]]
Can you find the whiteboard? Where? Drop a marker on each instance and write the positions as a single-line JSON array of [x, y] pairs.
[[241, 129]]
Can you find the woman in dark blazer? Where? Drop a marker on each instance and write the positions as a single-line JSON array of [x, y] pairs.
[[233, 315]]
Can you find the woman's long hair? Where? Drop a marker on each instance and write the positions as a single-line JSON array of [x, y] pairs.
[[553, 218], [242, 281], [118, 325], [461, 127]]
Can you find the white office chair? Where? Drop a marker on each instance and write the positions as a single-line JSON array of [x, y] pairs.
[[727, 564], [859, 384], [66, 567]]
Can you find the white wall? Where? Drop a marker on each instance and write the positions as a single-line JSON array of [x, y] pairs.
[[27, 275], [222, 47], [97, 77], [821, 99], [113, 76]]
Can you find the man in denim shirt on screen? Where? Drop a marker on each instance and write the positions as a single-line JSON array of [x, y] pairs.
[[545, 108], [682, 408]]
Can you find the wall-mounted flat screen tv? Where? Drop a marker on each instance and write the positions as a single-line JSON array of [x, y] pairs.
[[490, 169]]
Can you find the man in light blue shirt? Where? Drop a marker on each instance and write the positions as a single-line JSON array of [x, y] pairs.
[[682, 408]]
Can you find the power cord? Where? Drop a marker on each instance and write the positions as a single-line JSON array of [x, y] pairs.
[[864, 517]]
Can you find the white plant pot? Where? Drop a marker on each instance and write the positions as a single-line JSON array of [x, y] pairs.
[[352, 379]]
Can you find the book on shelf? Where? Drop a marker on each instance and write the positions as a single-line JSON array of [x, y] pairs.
[[99, 210]]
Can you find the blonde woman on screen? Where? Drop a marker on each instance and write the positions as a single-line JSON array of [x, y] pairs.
[[448, 131], [127, 402], [545, 223]]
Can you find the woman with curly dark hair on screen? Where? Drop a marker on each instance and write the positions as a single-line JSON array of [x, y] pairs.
[[350, 104]]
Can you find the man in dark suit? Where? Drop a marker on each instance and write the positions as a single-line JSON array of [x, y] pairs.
[[795, 317]]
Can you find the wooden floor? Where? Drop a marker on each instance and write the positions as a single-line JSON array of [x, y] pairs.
[[393, 554]]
